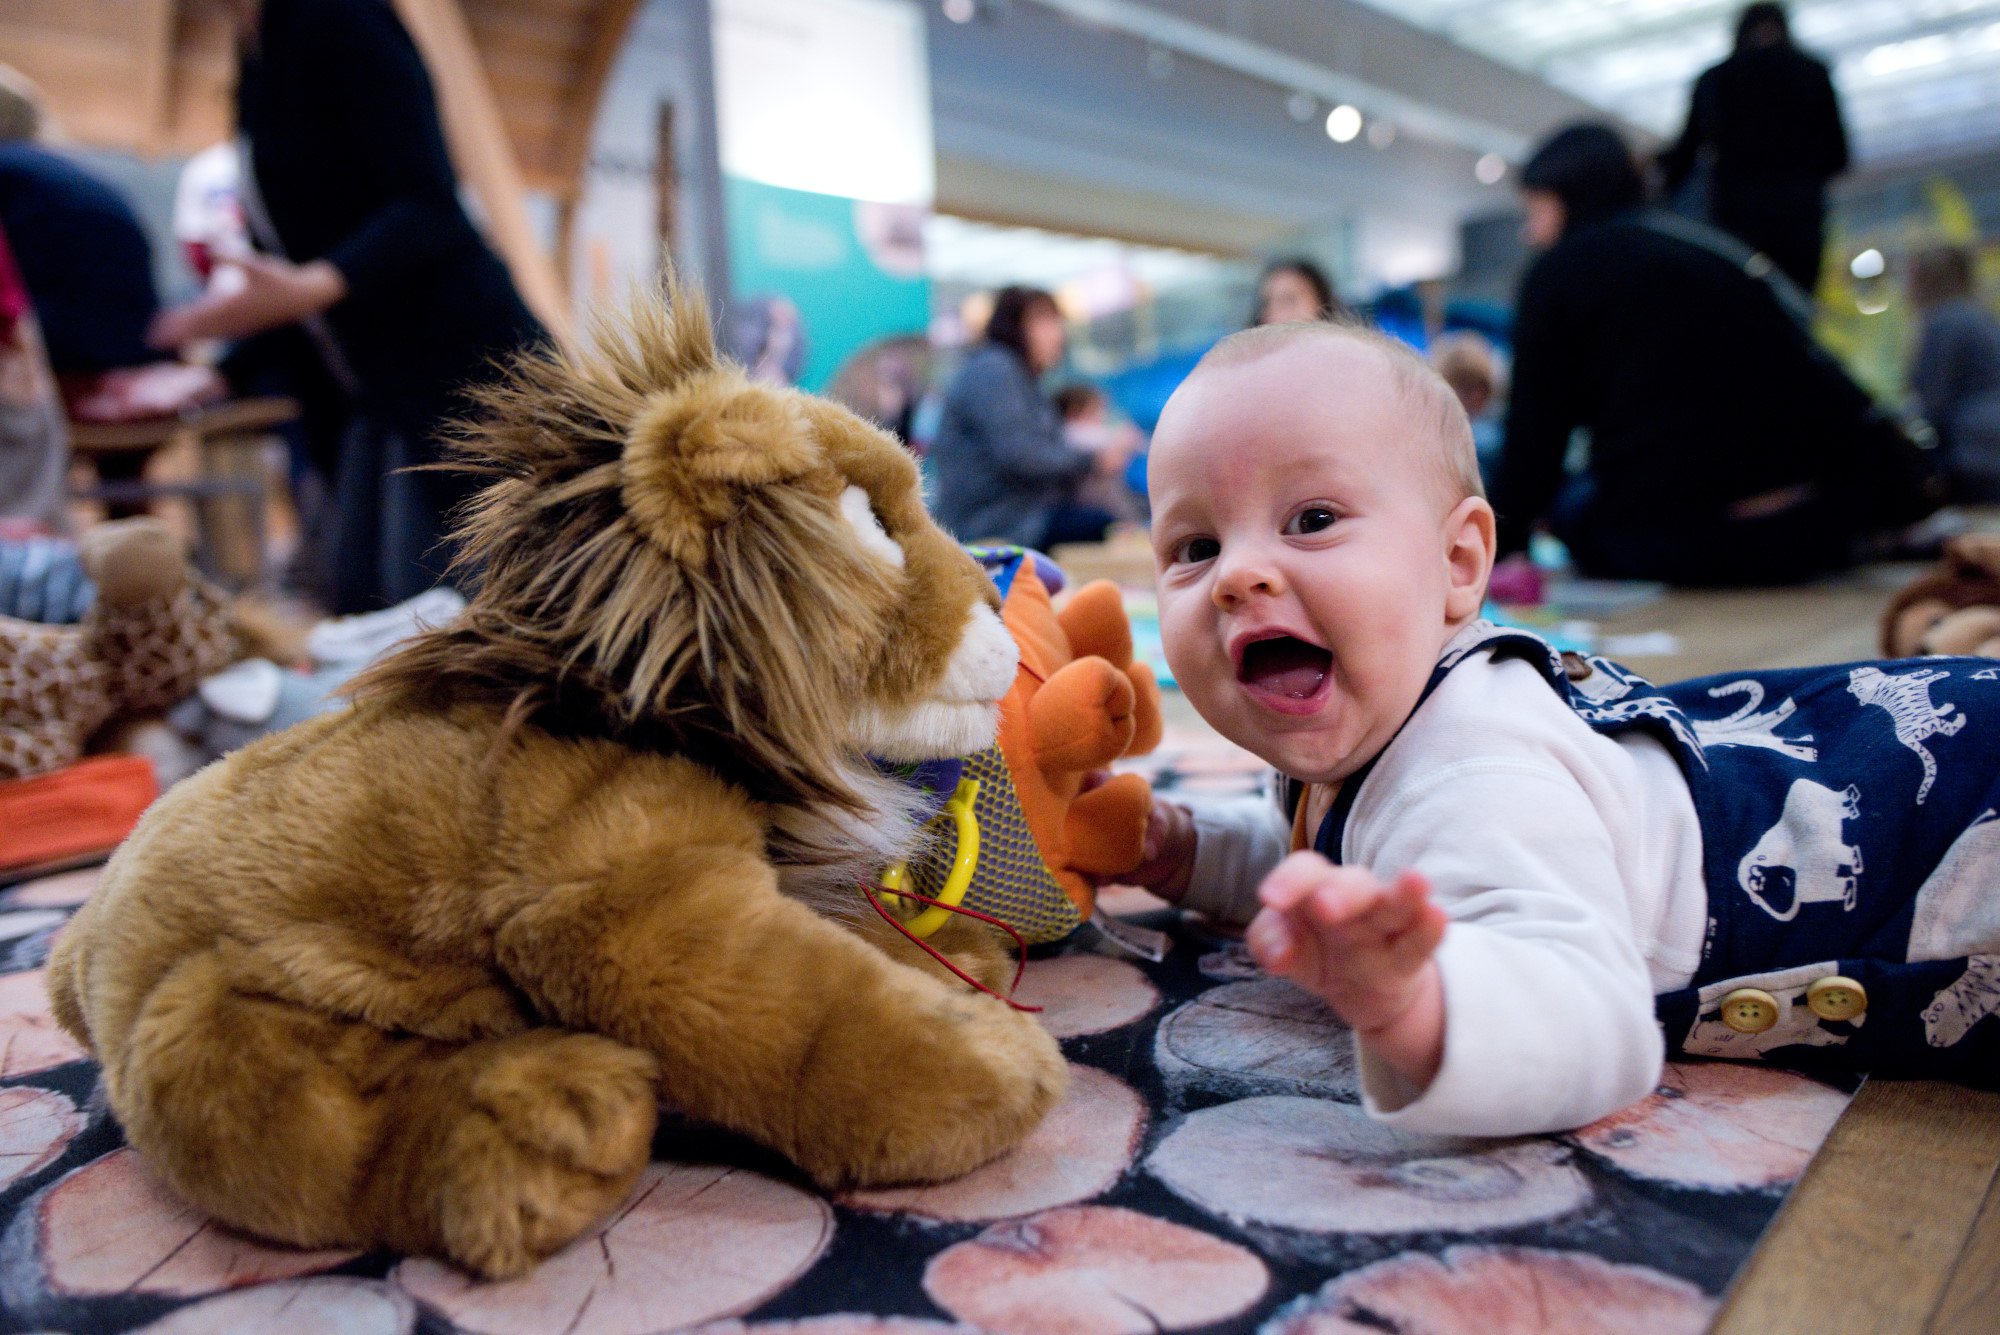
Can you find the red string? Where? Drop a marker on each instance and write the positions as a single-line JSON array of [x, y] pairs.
[[1020, 966]]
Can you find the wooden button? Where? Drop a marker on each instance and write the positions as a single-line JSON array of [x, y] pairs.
[[1749, 1010], [1837, 998]]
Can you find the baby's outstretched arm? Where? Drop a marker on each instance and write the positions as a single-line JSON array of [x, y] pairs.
[[1365, 947]]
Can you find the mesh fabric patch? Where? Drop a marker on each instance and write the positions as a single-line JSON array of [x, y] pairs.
[[1011, 883]]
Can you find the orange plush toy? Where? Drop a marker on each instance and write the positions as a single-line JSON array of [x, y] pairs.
[[1078, 703], [1029, 837]]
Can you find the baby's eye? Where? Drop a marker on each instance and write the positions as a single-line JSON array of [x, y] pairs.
[[1311, 519], [1193, 551]]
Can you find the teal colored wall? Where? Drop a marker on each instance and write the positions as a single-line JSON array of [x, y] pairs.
[[804, 246]]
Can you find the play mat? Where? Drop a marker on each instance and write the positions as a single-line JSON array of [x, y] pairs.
[[1209, 1171]]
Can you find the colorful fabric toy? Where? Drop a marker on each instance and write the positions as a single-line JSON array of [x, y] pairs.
[[1079, 702], [151, 635]]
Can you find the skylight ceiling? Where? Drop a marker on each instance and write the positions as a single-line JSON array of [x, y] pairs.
[[1917, 77]]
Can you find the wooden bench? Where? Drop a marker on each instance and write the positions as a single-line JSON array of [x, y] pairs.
[[229, 492]]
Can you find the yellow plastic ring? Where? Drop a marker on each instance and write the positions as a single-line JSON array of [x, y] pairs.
[[964, 863]]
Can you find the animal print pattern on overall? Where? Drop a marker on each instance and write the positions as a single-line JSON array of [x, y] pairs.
[[50, 684], [1850, 823]]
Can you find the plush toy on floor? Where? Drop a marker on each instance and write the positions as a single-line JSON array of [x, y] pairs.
[[417, 974], [1079, 702], [1952, 609], [147, 641]]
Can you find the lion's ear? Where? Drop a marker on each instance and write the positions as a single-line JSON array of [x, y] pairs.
[[696, 450]]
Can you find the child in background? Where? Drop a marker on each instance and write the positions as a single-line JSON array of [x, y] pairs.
[[1466, 362], [1519, 869], [1088, 426]]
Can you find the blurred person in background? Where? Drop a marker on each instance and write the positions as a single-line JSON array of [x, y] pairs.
[[1294, 290], [1955, 374], [88, 266], [1004, 470], [211, 225], [34, 443], [1765, 124], [1467, 362], [1090, 426], [1710, 415], [352, 198]]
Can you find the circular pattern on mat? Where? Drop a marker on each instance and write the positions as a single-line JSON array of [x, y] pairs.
[[1094, 1270], [30, 1039], [36, 1125], [330, 1305], [1327, 1168], [1261, 1036], [111, 1227], [1080, 1150], [692, 1243], [1498, 1291], [1718, 1126], [1086, 994]]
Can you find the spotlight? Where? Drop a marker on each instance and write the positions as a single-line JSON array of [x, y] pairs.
[[1301, 107], [961, 11], [1381, 133], [1490, 168], [1342, 124], [1868, 264]]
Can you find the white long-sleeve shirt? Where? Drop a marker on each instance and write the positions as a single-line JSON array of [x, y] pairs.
[[1569, 864]]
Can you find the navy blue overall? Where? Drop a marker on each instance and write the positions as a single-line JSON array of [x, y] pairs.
[[1850, 825]]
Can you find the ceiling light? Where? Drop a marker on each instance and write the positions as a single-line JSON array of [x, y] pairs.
[[961, 11], [1159, 62], [1381, 133], [1490, 168], [1868, 264], [1342, 124], [1301, 107]]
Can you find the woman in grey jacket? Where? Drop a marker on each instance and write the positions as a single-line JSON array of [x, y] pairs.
[[1004, 471]]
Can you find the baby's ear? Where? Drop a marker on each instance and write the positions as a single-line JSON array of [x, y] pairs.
[[1469, 546], [696, 452]]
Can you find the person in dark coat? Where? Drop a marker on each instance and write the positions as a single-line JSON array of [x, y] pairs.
[[1004, 469], [357, 194], [1767, 120], [1707, 412], [85, 259]]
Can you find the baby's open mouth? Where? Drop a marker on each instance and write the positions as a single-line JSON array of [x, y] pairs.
[[1284, 666]]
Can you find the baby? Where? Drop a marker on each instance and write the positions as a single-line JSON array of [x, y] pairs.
[[1523, 877]]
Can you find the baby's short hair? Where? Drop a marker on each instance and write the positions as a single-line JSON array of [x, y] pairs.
[[1453, 464]]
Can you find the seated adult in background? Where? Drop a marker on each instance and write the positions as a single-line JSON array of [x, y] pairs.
[[1955, 375], [355, 201], [34, 446], [1004, 471], [1294, 290], [85, 258], [1711, 418]]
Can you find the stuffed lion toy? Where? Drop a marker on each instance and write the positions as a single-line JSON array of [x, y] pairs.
[[418, 974]]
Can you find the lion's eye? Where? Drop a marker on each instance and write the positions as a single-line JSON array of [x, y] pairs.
[[859, 511]]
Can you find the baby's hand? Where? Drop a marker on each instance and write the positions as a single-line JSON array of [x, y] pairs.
[[1362, 946], [1166, 859]]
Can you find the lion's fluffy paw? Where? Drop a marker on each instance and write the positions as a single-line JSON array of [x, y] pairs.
[[963, 1102], [558, 1132]]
